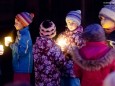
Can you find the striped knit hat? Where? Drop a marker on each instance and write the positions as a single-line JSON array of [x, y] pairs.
[[25, 18], [47, 28], [108, 10], [75, 16]]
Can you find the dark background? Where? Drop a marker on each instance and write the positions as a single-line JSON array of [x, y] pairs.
[[55, 10]]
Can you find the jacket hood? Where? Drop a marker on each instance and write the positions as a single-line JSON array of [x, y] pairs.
[[96, 64], [94, 50]]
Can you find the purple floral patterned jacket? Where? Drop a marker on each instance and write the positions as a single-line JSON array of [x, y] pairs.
[[48, 61], [74, 38]]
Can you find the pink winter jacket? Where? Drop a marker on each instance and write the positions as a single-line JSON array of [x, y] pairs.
[[93, 63]]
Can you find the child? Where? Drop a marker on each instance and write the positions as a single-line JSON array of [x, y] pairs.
[[96, 60], [107, 16], [48, 58], [74, 28], [22, 48], [73, 35]]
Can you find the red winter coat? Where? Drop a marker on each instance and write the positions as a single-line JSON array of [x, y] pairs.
[[93, 63]]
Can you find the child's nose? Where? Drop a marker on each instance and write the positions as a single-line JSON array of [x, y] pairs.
[[71, 24]]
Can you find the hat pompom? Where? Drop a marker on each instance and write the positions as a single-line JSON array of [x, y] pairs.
[[47, 28], [79, 11]]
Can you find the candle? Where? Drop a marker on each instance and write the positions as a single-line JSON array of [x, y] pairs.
[[1, 50], [7, 40]]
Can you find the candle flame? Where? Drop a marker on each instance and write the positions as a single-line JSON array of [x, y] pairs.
[[8, 39], [1, 49]]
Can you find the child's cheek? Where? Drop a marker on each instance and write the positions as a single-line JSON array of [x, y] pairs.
[[108, 24], [72, 27]]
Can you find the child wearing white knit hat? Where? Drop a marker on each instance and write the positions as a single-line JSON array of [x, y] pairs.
[[75, 18], [107, 18], [73, 36]]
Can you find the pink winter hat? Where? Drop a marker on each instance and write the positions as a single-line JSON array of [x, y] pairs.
[[47, 28]]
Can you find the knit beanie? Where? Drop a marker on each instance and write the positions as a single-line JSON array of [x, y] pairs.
[[94, 33], [25, 18], [109, 80], [75, 16], [108, 10], [47, 28]]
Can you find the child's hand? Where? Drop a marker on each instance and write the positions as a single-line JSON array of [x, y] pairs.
[[8, 43], [72, 49]]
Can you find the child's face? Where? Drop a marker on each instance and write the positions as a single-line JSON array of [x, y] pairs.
[[18, 25], [107, 24], [72, 25]]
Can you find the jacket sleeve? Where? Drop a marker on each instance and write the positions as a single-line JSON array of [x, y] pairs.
[[113, 66], [14, 47], [59, 58], [77, 70], [21, 46]]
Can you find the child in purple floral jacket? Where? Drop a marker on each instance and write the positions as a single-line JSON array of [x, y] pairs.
[[48, 58], [74, 29], [73, 36]]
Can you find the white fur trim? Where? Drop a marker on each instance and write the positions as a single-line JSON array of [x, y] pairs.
[[107, 12], [93, 65]]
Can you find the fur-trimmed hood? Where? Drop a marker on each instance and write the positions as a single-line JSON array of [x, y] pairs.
[[92, 65]]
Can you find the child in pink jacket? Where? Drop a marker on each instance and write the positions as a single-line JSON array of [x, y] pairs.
[[94, 61]]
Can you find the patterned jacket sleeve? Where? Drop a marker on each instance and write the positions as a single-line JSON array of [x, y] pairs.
[[59, 58], [78, 38]]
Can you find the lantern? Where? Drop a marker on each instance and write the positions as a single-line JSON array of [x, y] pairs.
[[1, 49], [8, 39]]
